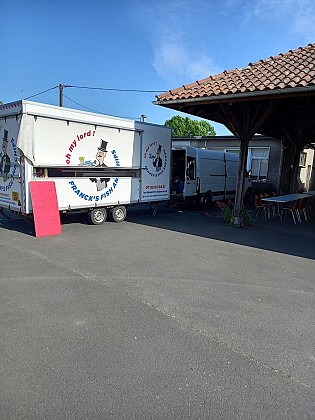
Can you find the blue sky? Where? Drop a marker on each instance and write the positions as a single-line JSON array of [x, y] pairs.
[[135, 44]]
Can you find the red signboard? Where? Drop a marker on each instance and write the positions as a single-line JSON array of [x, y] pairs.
[[45, 208]]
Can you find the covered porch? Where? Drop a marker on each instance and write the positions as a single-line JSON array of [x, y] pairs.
[[274, 97]]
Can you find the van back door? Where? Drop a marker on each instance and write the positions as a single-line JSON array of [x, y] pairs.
[[190, 186]]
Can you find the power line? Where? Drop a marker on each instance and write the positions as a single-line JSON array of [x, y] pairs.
[[115, 89], [61, 94], [83, 106], [93, 110], [40, 93], [60, 86]]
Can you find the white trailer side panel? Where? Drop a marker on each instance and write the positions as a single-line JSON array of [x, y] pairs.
[[156, 163], [66, 143], [80, 193]]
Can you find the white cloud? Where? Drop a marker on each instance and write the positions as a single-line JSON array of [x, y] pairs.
[[177, 61], [296, 16], [202, 66], [178, 56], [186, 39], [304, 22]]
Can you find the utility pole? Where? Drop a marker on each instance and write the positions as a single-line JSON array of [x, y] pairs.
[[61, 86]]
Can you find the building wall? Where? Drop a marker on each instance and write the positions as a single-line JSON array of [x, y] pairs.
[[307, 170]]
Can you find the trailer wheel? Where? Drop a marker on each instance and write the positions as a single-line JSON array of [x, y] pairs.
[[97, 216], [118, 214]]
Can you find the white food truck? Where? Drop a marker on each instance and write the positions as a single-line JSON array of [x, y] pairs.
[[204, 175], [99, 164]]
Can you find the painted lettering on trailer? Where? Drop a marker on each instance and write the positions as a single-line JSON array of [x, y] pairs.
[[96, 198], [75, 142]]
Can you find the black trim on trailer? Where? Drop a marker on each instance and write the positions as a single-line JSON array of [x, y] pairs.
[[85, 172]]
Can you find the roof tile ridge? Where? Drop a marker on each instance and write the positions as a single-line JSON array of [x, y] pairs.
[[281, 54], [200, 82], [272, 61]]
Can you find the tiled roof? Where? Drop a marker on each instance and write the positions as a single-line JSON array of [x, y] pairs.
[[293, 69]]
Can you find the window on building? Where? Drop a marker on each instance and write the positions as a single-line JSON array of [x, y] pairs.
[[257, 161], [303, 157]]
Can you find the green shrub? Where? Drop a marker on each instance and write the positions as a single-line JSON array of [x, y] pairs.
[[226, 213]]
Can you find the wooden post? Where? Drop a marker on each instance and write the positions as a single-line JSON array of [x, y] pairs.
[[61, 94], [295, 169], [240, 180], [244, 120]]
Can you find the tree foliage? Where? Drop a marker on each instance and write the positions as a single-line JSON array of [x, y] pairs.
[[186, 127]]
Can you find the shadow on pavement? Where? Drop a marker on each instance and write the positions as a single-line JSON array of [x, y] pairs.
[[17, 223], [273, 235]]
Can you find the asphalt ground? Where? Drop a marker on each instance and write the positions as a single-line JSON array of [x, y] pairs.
[[173, 316]]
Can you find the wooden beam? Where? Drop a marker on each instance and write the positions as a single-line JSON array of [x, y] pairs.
[[261, 115], [244, 141], [231, 119]]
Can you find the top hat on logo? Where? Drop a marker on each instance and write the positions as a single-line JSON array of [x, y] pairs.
[[103, 146], [5, 136], [159, 148]]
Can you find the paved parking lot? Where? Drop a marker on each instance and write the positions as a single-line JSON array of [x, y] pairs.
[[168, 317]]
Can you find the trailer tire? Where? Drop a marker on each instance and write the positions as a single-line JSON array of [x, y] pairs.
[[97, 216], [118, 214]]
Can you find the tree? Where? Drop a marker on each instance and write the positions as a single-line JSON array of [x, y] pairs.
[[186, 127]]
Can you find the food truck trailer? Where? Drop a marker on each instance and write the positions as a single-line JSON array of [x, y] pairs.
[[99, 164]]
